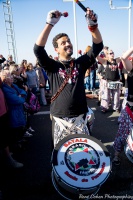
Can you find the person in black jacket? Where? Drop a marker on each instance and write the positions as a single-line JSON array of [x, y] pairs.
[[70, 102]]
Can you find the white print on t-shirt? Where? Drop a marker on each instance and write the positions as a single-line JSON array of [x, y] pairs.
[[72, 75]]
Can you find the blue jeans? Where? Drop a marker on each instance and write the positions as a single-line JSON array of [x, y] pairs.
[[87, 82], [90, 80]]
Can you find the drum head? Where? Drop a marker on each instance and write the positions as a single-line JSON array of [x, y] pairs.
[[80, 165]]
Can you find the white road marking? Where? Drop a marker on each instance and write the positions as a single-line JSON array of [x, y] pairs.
[[42, 113], [108, 144]]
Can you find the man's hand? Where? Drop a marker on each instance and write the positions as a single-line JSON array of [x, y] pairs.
[[53, 17], [91, 18]]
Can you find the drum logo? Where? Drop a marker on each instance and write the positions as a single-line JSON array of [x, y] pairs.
[[82, 159]]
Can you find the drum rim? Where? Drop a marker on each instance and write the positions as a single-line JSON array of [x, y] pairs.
[[85, 189], [58, 190], [80, 189], [71, 136]]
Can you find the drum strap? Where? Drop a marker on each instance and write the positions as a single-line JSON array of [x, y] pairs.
[[129, 112], [66, 80], [67, 126], [131, 107]]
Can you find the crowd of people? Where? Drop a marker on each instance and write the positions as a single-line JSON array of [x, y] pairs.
[[68, 84], [16, 82]]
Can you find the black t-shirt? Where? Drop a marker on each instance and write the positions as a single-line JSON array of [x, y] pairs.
[[72, 100], [130, 86], [112, 72]]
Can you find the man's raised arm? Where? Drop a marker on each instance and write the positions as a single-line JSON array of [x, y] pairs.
[[125, 61], [52, 18]]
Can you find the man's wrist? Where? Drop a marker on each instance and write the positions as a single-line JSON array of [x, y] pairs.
[[93, 28], [49, 24]]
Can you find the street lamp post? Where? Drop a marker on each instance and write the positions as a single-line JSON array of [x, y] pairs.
[[128, 8], [75, 26]]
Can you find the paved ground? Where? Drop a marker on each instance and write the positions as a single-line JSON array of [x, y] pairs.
[[33, 182]]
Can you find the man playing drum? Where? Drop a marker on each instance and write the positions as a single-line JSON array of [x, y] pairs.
[[126, 116], [66, 75], [111, 87]]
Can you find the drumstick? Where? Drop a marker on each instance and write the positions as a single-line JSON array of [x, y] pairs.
[[81, 5]]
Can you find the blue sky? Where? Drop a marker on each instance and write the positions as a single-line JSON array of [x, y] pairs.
[[29, 17]]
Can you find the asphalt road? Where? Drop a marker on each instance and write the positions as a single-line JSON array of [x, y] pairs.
[[33, 181]]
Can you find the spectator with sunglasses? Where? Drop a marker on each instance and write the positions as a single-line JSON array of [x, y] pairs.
[[111, 86]]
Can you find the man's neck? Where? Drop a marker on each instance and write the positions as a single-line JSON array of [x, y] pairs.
[[64, 59], [111, 60]]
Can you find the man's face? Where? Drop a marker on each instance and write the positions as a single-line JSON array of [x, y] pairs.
[[65, 48]]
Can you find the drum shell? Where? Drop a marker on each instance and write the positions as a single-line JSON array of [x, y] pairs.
[[114, 85], [70, 188], [74, 190]]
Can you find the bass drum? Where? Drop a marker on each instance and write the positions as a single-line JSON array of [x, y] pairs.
[[129, 146], [80, 165]]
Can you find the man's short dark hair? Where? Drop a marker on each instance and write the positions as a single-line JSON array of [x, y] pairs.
[[60, 35]]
